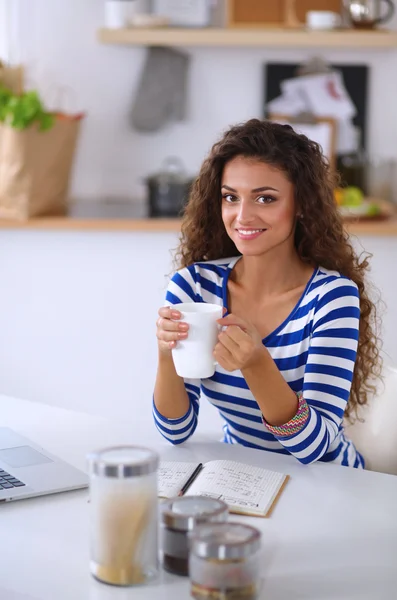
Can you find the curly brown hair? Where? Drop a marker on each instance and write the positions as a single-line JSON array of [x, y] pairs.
[[320, 237]]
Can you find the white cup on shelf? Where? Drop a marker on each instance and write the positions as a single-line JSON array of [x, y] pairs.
[[193, 358], [322, 19], [120, 13]]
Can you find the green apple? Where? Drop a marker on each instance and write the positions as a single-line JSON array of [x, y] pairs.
[[374, 210], [352, 196]]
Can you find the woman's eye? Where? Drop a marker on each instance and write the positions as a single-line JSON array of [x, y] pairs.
[[266, 199], [229, 197]]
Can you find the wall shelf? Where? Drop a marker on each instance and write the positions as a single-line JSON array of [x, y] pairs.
[[387, 228], [271, 37]]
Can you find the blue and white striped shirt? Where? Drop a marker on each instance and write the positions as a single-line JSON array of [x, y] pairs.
[[314, 350]]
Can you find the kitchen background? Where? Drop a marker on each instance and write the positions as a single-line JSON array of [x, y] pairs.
[[78, 308], [58, 42]]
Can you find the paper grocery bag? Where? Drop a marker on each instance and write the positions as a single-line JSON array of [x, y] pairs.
[[35, 168], [12, 78]]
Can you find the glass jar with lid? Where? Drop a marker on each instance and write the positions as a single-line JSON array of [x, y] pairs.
[[123, 519], [179, 517], [224, 562]]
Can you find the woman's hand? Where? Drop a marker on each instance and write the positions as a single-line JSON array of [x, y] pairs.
[[170, 329], [239, 345]]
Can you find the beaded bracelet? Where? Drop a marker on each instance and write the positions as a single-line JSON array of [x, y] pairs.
[[295, 425]]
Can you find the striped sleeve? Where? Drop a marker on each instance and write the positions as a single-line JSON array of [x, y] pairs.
[[181, 288], [329, 370]]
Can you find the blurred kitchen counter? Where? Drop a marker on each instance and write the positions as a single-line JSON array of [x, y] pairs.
[[123, 216], [98, 216]]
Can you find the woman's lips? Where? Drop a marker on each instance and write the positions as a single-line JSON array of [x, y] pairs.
[[249, 234]]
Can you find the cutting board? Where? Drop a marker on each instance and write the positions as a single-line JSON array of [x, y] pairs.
[[273, 13]]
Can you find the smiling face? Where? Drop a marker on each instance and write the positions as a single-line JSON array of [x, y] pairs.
[[258, 206]]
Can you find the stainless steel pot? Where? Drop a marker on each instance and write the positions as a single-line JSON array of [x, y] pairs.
[[168, 190], [366, 14]]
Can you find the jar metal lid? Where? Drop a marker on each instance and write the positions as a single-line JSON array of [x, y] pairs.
[[225, 541], [186, 512], [123, 461]]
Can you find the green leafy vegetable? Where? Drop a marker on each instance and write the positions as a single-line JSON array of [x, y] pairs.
[[21, 111]]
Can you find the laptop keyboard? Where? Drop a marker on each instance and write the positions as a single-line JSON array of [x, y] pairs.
[[8, 481]]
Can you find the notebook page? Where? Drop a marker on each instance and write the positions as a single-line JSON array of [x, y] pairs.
[[172, 476], [243, 487]]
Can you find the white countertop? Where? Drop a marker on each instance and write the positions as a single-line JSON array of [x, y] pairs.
[[332, 535]]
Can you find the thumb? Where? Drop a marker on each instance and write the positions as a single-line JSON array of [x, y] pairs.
[[232, 320]]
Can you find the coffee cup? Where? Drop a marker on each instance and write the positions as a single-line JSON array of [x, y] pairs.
[[193, 357], [323, 19]]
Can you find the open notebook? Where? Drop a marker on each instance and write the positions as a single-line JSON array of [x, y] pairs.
[[247, 490]]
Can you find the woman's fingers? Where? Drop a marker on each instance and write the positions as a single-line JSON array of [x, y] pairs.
[[224, 357], [171, 336], [167, 312], [169, 328], [228, 342], [231, 321], [169, 325], [169, 320], [235, 333]]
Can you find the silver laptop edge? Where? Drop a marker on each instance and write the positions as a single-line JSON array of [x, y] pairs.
[[40, 471]]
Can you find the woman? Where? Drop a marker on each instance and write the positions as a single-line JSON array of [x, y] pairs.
[[262, 236]]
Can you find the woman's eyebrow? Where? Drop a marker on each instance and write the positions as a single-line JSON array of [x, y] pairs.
[[266, 188]]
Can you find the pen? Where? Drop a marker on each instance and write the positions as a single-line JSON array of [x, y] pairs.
[[191, 479]]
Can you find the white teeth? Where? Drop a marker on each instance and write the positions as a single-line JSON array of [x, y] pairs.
[[249, 232]]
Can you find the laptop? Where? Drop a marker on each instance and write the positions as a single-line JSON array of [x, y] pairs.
[[26, 470]]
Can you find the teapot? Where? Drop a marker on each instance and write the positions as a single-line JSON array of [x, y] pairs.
[[366, 14]]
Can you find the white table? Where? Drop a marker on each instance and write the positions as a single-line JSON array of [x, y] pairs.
[[332, 535]]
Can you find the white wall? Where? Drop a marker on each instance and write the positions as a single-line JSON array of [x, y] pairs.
[[77, 318], [9, 45], [3, 30], [58, 42]]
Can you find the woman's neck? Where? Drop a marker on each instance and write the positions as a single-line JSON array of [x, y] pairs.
[[270, 274]]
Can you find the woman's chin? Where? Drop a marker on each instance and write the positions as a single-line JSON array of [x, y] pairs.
[[246, 250], [250, 247]]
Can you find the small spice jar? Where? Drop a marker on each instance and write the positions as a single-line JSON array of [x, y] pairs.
[[124, 515], [224, 562], [179, 518]]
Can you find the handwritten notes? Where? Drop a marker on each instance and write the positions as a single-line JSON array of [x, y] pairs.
[[172, 476], [243, 487]]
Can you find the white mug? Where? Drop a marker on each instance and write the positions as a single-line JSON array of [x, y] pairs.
[[193, 357], [119, 13], [322, 19]]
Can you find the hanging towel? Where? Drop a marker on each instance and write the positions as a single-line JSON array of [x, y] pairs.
[[162, 90]]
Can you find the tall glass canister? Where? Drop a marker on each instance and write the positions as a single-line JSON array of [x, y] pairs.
[[123, 515]]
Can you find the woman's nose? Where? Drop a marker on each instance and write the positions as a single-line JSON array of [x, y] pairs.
[[245, 213]]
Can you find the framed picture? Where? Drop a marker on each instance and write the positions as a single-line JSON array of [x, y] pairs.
[[356, 79], [321, 130]]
